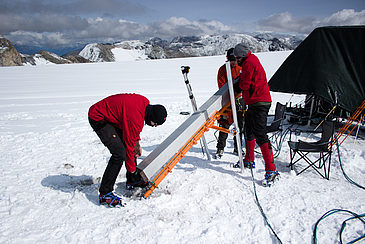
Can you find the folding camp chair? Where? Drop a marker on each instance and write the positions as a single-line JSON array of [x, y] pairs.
[[323, 147], [275, 130]]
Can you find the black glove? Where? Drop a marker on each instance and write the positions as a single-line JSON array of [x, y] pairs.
[[240, 104]]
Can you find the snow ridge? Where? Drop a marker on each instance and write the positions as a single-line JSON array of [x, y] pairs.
[[193, 46]]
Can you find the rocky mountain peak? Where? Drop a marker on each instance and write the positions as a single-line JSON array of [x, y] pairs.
[[9, 56], [156, 41]]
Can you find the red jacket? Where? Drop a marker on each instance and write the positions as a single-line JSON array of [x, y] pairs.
[[127, 112], [222, 79], [253, 81], [222, 74]]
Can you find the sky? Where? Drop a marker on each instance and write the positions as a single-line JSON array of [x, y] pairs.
[[73, 23]]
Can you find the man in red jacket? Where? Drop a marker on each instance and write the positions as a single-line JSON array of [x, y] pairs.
[[256, 93], [118, 121], [223, 122]]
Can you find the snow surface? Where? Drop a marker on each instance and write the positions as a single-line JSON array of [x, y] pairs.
[[121, 54], [52, 162]]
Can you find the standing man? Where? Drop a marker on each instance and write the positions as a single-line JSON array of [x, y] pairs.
[[223, 122], [118, 121], [256, 93]]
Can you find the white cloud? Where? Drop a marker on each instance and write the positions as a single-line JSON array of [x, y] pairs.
[[26, 38], [346, 17], [284, 22], [179, 26], [56, 39], [67, 31]]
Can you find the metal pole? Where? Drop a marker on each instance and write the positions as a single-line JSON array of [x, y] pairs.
[[311, 111], [234, 111], [185, 70]]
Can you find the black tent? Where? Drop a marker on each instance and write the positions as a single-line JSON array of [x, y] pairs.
[[329, 64]]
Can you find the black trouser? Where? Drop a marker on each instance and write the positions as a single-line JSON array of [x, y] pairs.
[[111, 137], [255, 123], [222, 137], [221, 144]]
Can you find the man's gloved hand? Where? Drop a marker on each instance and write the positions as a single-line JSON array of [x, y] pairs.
[[240, 104]]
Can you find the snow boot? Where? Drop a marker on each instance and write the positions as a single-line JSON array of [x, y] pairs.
[[246, 164], [219, 153], [134, 180], [110, 200], [270, 178], [271, 174]]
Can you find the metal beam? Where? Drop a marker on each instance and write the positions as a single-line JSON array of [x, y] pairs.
[[156, 160]]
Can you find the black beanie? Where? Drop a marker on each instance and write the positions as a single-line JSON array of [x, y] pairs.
[[230, 55], [158, 114]]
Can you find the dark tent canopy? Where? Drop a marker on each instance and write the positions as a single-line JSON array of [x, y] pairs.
[[329, 64]]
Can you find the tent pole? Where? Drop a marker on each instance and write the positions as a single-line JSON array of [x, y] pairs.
[[311, 111]]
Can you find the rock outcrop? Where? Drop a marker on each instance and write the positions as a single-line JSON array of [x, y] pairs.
[[9, 56]]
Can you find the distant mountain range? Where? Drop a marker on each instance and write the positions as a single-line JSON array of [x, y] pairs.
[[155, 48]]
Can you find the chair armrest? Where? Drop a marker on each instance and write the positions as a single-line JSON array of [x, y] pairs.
[[299, 131], [274, 121]]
